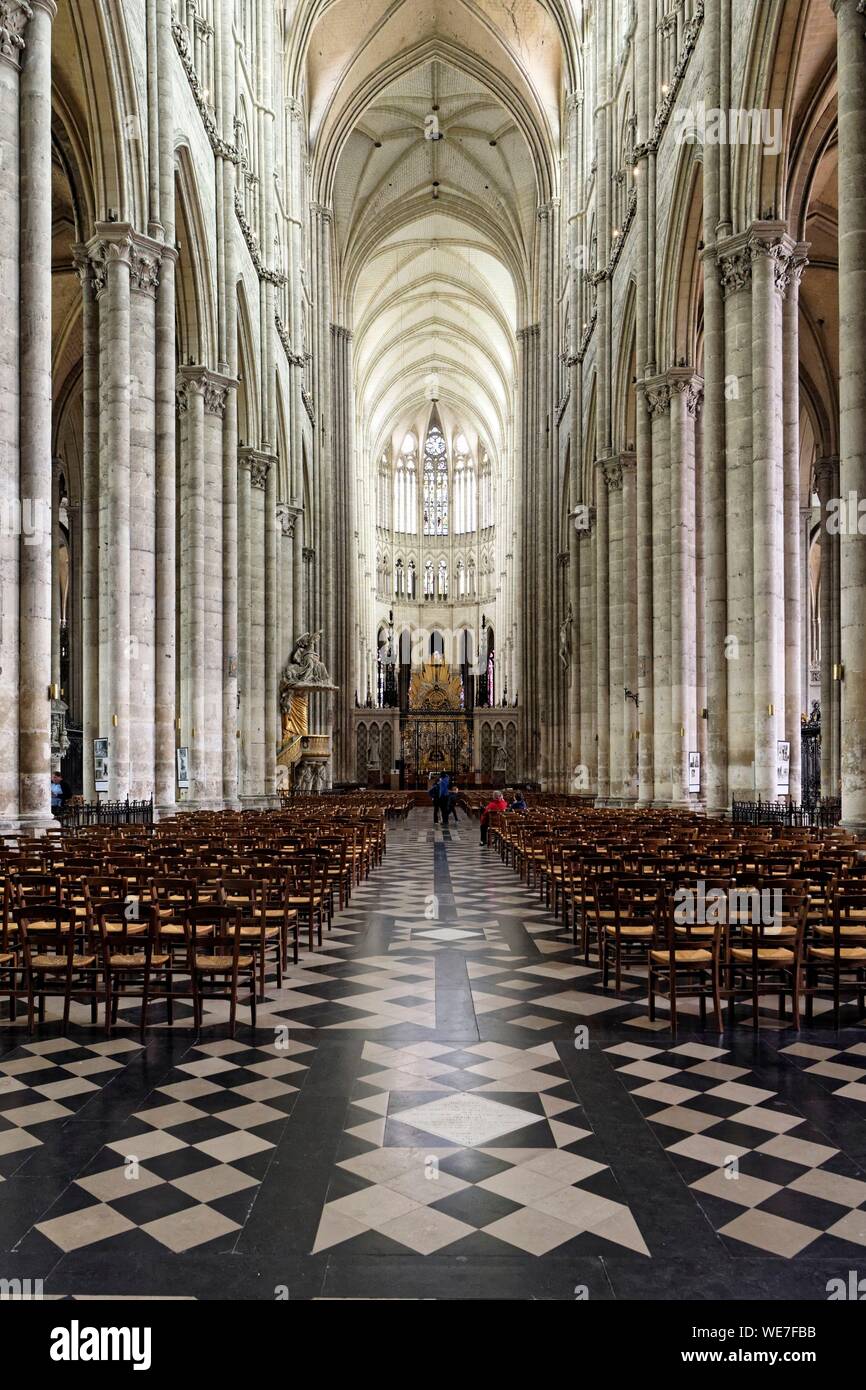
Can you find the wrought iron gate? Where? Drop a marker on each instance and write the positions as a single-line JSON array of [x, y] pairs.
[[810, 746]]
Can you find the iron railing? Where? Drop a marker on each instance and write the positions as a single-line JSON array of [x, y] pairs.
[[76, 815], [825, 813]]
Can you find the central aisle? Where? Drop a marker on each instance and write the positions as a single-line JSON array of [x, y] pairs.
[[442, 1102]]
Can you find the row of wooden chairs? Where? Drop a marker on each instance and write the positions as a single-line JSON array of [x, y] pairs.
[[625, 891], [203, 905]]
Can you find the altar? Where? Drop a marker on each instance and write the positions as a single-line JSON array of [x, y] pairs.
[[436, 732]]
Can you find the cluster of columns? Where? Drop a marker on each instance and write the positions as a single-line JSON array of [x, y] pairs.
[[541, 597], [687, 566], [25, 412]]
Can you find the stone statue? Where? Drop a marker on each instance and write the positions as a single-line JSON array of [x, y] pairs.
[[500, 756], [565, 639], [303, 668]]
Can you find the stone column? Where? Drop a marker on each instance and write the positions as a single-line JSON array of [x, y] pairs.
[[165, 538], [144, 280], [685, 395], [260, 724], [287, 516], [586, 624], [89, 515], [771, 252], [230, 560], [630, 716], [11, 52], [658, 399], [191, 389], [735, 269], [616, 544], [111, 250], [272, 541], [217, 389], [228, 69], [827, 483], [713, 509], [852, 396], [794, 704], [56, 469], [245, 463], [34, 595], [602, 635], [644, 354], [165, 735]]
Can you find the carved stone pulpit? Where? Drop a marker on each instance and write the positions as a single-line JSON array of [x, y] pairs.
[[303, 758]]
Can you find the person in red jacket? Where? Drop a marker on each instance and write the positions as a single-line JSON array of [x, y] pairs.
[[497, 803]]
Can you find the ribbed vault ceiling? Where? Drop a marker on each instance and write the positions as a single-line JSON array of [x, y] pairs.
[[434, 240]]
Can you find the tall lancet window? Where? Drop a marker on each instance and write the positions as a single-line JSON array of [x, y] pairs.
[[382, 499], [435, 483], [406, 489], [443, 579], [464, 504], [486, 493]]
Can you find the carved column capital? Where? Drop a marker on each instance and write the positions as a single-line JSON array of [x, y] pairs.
[[113, 243], [257, 464], [771, 240], [734, 260], [657, 393], [287, 516], [15, 15], [611, 470], [686, 383]]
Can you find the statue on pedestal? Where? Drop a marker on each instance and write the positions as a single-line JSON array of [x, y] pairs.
[[303, 668], [565, 639], [303, 757]]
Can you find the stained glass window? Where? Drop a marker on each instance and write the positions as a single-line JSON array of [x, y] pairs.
[[435, 484]]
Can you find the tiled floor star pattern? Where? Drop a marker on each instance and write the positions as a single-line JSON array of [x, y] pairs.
[[442, 1101], [471, 1147]]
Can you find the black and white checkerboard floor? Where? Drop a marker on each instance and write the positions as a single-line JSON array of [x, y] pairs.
[[443, 1101]]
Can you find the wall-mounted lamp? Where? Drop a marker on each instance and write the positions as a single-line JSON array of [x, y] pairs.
[[630, 695], [838, 671], [114, 720], [54, 692], [771, 709], [705, 713]]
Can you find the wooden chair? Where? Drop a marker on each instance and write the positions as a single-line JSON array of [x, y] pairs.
[[769, 956], [131, 958], [54, 962], [627, 916], [683, 964], [836, 954], [258, 933], [306, 894], [217, 965]]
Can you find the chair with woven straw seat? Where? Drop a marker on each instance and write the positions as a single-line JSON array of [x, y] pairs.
[[134, 965], [259, 934], [767, 954], [10, 967], [595, 871], [276, 888], [56, 963], [683, 964], [306, 893], [626, 916], [835, 958], [217, 963]]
